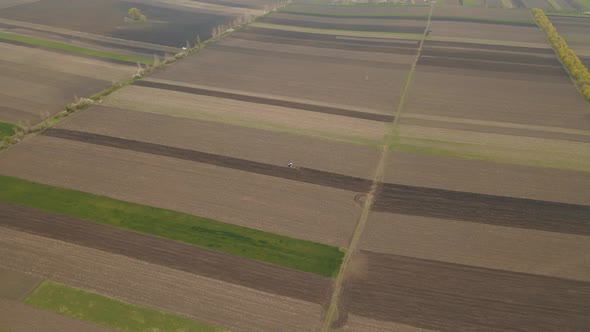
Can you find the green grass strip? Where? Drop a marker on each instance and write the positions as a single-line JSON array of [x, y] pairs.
[[585, 3], [74, 49], [7, 129], [108, 312], [471, 3], [241, 241], [555, 5]]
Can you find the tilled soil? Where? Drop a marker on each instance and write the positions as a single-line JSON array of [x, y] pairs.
[[298, 174], [19, 317], [343, 25], [208, 263], [142, 283], [267, 101], [487, 209], [452, 297]]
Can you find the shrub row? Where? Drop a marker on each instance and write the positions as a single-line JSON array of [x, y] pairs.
[[568, 57]]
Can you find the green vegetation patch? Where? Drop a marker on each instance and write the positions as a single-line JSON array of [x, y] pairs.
[[74, 49], [241, 241], [7, 129], [555, 5], [471, 3], [101, 310]]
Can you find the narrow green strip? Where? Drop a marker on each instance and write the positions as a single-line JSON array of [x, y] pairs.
[[108, 312], [74, 49], [241, 241], [7, 129]]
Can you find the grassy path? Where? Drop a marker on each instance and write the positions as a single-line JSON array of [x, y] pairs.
[[332, 313]]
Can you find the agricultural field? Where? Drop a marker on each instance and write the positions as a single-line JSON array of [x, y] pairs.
[[324, 168], [575, 32]]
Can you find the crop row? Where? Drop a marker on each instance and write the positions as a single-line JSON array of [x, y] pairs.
[[568, 57]]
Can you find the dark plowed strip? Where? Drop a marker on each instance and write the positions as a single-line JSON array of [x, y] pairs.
[[487, 209], [267, 101], [384, 42], [139, 49], [489, 47], [299, 174], [452, 297], [491, 56], [308, 57], [247, 272], [336, 44], [491, 66], [55, 50], [338, 26]]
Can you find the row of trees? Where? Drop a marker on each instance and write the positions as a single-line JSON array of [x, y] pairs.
[[568, 57]]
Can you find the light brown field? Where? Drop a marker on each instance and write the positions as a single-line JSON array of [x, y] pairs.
[[169, 290], [489, 13], [36, 80], [355, 323], [490, 178], [246, 114], [226, 140], [291, 208], [473, 244], [301, 20], [18, 317], [15, 286], [353, 85], [363, 10], [500, 34]]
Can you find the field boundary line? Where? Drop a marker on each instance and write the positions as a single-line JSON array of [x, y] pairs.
[[332, 311]]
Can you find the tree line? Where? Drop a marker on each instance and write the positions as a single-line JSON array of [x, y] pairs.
[[568, 57]]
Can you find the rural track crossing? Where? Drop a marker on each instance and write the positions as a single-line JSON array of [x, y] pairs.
[[332, 311]]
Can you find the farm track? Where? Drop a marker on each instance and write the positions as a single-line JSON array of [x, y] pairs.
[[299, 174], [312, 58], [401, 48], [453, 297], [267, 101], [491, 66], [481, 208], [177, 255], [341, 26]]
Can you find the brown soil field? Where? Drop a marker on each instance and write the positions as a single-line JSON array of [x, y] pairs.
[[19, 317], [291, 208], [201, 261], [347, 23], [484, 31], [488, 55], [357, 86], [500, 148], [37, 80], [301, 174], [293, 39], [489, 13], [482, 208], [453, 297], [502, 97], [489, 246], [363, 10], [226, 140], [493, 66], [492, 127], [354, 323], [267, 101], [165, 26], [16, 286], [273, 118], [170, 290], [360, 57], [486, 177], [543, 50], [12, 3]]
